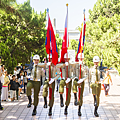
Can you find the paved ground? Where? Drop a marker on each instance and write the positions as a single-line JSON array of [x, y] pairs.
[[109, 107]]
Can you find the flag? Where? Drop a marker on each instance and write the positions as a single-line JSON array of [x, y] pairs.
[[65, 43], [82, 39], [50, 43]]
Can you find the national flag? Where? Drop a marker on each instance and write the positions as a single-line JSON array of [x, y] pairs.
[[65, 43], [82, 39], [50, 43]]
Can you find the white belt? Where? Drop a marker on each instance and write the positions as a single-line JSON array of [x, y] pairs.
[[34, 79]]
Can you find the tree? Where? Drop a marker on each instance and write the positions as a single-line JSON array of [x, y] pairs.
[[103, 33], [21, 34]]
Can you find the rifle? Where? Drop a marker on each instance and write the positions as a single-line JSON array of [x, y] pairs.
[[30, 66], [101, 68]]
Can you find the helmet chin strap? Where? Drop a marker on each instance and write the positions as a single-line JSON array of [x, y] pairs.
[[96, 65], [35, 64]]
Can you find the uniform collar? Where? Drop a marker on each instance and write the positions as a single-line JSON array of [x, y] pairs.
[[95, 66]]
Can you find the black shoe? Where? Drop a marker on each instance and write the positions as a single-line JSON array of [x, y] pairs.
[[45, 102], [79, 111], [45, 106], [1, 108], [75, 103], [79, 114], [61, 101], [56, 90], [30, 100], [34, 112], [95, 112], [29, 105], [65, 112], [50, 111]]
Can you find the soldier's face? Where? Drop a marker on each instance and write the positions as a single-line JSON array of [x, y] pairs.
[[36, 61], [96, 63]]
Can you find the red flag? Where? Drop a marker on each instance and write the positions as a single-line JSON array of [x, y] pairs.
[[50, 43], [65, 42], [82, 39]]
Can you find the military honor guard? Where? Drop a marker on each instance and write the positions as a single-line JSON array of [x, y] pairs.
[[79, 82], [67, 76], [50, 73], [35, 82], [95, 83]]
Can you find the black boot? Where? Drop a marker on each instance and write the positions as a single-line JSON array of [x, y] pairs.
[[66, 110], [79, 111], [45, 102], [1, 108], [75, 99], [34, 111], [95, 100], [61, 101], [95, 112], [30, 100], [50, 111]]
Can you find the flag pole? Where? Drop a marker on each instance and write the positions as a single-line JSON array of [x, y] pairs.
[[67, 55], [50, 47], [81, 51], [50, 94]]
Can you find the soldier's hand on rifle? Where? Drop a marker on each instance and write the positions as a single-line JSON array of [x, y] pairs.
[[51, 81], [49, 63], [80, 81], [66, 63], [68, 80]]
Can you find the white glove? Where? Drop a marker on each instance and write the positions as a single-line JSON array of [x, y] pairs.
[[68, 80], [51, 81], [80, 62], [76, 78], [49, 63], [66, 63], [101, 79], [80, 81]]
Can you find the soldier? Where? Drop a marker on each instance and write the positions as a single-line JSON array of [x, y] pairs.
[[50, 84], [66, 81], [80, 83], [34, 82], [95, 83]]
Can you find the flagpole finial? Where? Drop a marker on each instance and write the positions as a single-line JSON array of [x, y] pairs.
[[84, 11], [67, 4], [47, 10]]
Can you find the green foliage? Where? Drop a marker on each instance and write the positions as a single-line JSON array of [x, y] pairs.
[[73, 45], [59, 43], [103, 33], [21, 34]]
